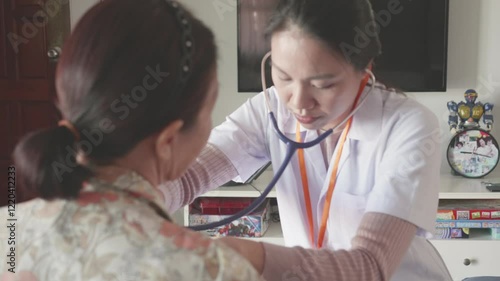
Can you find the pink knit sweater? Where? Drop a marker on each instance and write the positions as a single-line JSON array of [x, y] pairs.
[[377, 249]]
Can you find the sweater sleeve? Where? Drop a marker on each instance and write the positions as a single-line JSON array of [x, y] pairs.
[[210, 170], [377, 250]]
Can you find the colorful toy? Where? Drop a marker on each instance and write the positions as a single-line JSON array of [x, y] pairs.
[[469, 113]]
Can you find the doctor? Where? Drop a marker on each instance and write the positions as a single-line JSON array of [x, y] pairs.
[[359, 206]]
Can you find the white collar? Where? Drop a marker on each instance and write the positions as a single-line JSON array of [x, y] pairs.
[[367, 122]]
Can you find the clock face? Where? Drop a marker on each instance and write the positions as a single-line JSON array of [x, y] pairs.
[[473, 153]]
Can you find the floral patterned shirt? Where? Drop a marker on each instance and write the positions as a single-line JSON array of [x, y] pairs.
[[110, 234]]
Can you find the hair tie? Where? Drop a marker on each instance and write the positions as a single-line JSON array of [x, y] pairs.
[[70, 127]]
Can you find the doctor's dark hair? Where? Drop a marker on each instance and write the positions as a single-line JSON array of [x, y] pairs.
[[338, 23], [128, 70]]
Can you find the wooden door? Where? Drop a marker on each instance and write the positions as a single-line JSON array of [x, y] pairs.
[[31, 31]]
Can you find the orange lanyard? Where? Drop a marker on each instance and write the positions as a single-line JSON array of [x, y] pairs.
[[333, 176]]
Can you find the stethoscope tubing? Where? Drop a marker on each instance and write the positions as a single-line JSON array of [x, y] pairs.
[[258, 201], [291, 147]]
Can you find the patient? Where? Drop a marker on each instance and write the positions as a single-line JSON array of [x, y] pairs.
[[136, 85]]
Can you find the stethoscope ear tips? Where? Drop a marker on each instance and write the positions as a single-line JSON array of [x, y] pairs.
[[370, 73]]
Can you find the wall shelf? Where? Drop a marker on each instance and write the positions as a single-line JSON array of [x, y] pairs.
[[457, 187], [451, 187]]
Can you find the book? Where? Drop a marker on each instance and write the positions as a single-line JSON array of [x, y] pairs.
[[467, 224], [495, 233], [451, 233]]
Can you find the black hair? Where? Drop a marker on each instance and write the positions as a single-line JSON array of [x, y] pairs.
[[338, 23]]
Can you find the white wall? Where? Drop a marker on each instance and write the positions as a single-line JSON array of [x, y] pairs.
[[77, 9], [473, 55]]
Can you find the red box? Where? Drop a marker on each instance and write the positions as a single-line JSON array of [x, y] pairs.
[[221, 206], [474, 209], [254, 224]]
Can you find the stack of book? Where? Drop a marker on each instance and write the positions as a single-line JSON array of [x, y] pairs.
[[456, 218]]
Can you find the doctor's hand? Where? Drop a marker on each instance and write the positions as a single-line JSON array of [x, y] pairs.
[[252, 251]]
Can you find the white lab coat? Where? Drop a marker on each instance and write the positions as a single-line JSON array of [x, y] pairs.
[[390, 164]]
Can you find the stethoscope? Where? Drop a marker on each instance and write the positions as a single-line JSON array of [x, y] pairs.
[[291, 147]]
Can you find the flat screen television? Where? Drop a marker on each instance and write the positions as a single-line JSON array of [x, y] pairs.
[[414, 44]]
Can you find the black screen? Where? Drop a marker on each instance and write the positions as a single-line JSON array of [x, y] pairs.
[[414, 43], [414, 46]]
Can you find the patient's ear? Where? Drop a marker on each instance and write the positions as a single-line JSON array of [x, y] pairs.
[[166, 141]]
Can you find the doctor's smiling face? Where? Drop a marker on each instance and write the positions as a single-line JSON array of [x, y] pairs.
[[317, 84]]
